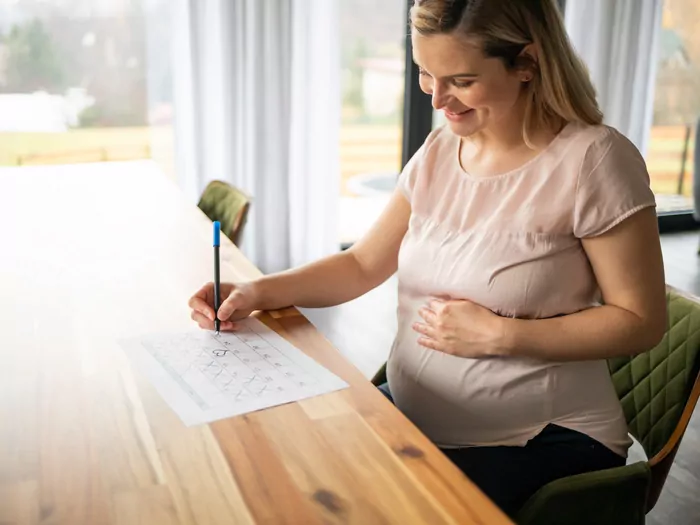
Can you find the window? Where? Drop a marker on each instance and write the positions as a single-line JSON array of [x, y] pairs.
[[372, 41], [676, 107], [84, 81]]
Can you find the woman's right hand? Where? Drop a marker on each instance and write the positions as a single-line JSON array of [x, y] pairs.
[[238, 301]]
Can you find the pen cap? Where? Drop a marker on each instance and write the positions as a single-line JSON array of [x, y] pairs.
[[217, 233]]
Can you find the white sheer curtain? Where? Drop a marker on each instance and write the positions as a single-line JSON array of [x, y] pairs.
[[618, 41], [257, 104], [314, 163]]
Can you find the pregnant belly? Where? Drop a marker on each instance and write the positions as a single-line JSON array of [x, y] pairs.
[[457, 401]]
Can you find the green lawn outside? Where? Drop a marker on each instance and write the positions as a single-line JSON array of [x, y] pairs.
[[80, 145]]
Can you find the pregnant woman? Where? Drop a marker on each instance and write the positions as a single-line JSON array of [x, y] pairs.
[[525, 238]]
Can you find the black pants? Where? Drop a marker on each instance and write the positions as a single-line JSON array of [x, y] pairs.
[[509, 475]]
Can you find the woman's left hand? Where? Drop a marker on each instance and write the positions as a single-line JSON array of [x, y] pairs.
[[461, 328]]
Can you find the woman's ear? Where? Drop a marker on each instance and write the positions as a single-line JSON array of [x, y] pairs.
[[527, 63]]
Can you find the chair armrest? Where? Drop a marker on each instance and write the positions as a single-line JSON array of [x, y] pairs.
[[614, 496], [379, 376]]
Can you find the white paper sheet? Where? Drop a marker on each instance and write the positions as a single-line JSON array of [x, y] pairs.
[[205, 377]]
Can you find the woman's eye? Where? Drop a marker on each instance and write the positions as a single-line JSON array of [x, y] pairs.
[[422, 72], [462, 83]]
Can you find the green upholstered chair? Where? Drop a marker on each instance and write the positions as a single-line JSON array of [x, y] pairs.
[[658, 391], [222, 202]]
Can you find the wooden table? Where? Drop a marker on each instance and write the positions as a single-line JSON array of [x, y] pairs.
[[94, 253]]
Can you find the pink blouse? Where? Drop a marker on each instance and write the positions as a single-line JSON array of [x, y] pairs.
[[511, 242]]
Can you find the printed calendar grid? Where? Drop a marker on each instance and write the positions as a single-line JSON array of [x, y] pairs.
[[204, 377], [231, 367]]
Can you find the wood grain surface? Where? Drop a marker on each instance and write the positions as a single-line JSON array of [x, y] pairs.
[[92, 254]]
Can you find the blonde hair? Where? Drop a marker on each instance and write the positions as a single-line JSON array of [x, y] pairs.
[[561, 89]]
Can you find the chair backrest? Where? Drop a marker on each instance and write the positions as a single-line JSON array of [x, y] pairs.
[[659, 388], [224, 203]]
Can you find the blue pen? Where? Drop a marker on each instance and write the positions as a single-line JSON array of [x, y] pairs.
[[217, 291]]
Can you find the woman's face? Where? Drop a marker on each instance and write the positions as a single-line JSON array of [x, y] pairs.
[[475, 92]]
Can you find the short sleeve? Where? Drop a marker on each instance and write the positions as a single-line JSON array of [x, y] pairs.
[[613, 185]]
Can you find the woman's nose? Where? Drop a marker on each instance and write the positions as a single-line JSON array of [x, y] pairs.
[[439, 97]]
